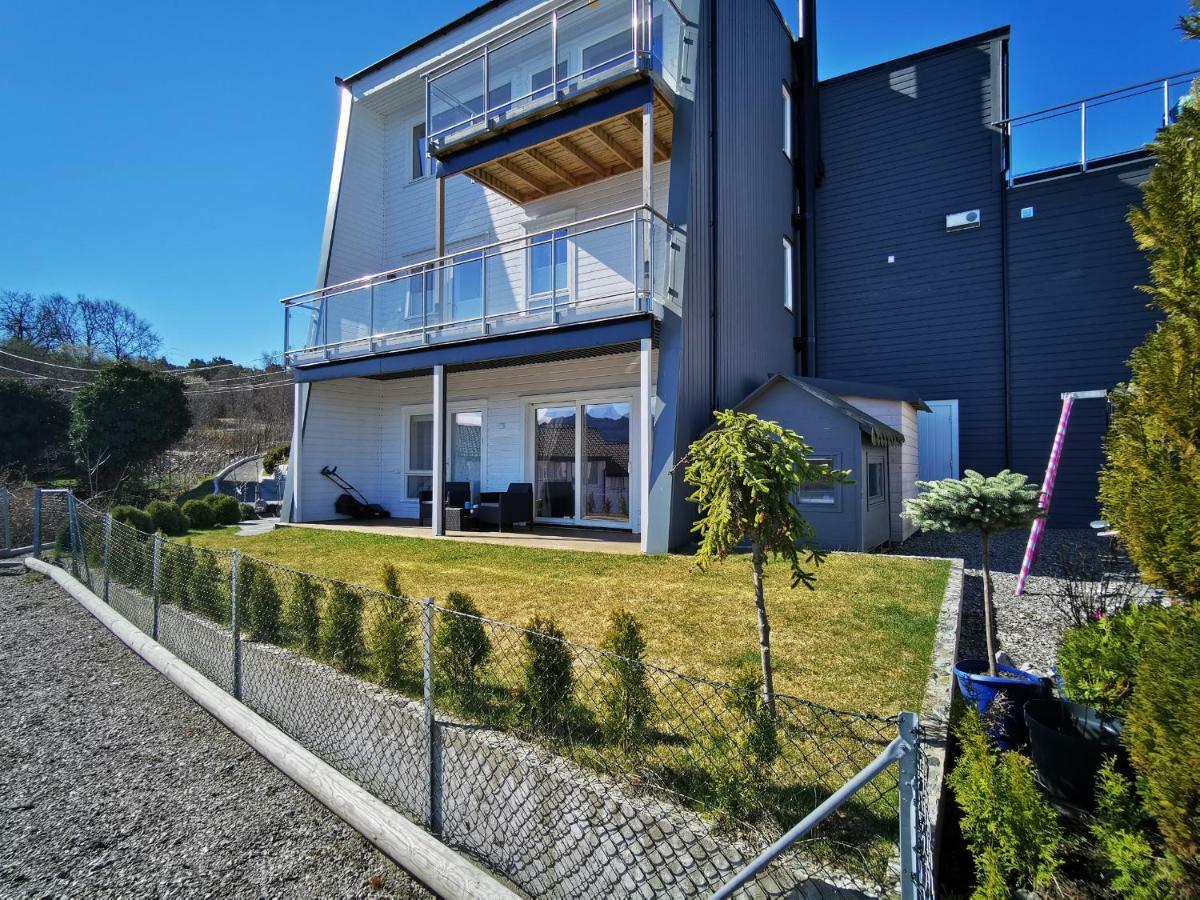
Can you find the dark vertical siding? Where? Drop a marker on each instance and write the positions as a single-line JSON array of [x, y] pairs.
[[754, 198], [902, 146], [1074, 316]]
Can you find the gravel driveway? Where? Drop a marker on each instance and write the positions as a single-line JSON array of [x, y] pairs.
[[114, 784]]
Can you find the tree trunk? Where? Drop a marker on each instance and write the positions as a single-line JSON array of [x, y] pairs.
[[989, 625], [764, 632]]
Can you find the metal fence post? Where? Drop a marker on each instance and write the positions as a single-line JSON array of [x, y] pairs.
[[235, 622], [909, 798], [431, 726], [37, 523], [4, 514], [72, 543], [155, 571], [108, 520]]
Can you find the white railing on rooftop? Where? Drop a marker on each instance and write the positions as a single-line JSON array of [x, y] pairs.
[[597, 268], [573, 49], [1086, 133]]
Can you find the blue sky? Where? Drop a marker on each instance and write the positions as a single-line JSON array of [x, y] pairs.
[[176, 156]]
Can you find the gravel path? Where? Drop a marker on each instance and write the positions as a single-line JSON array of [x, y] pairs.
[[1029, 629], [114, 784]]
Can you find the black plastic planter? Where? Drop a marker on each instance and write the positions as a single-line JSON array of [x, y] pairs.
[[1068, 743]]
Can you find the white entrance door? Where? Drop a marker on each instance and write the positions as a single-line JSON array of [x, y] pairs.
[[937, 441]]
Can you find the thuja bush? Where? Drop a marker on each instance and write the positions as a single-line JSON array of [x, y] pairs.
[[225, 509], [461, 647], [127, 555], [177, 565], [1126, 839], [1150, 485], [341, 630], [305, 612], [259, 597], [168, 518], [626, 703], [393, 635], [739, 759], [210, 588], [548, 682], [134, 518], [199, 514], [1099, 662], [1162, 732], [1011, 831]]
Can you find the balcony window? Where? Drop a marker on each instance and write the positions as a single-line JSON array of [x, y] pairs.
[[607, 54], [420, 159], [466, 287], [548, 267], [540, 83]]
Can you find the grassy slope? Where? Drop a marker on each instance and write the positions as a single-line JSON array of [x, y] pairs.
[[862, 641]]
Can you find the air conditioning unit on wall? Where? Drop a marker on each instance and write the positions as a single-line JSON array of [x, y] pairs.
[[961, 221]]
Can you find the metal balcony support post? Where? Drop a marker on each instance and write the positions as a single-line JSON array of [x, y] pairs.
[[487, 94], [1083, 136], [438, 516], [287, 338], [439, 250], [646, 439], [554, 52], [371, 318], [647, 196]]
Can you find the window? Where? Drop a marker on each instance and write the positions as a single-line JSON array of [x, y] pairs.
[[466, 447], [420, 160], [607, 54], [466, 286], [420, 455], [876, 480], [548, 265], [539, 83], [787, 274], [787, 122], [818, 493]]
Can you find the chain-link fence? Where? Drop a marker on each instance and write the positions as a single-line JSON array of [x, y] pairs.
[[571, 771]]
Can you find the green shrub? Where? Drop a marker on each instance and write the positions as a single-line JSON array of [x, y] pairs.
[[134, 518], [200, 514], [177, 566], [1098, 662], [246, 511], [127, 555], [461, 647], [260, 607], [625, 699], [1162, 732], [209, 588], [739, 758], [168, 518], [225, 509], [548, 682], [1123, 834], [391, 581], [394, 641], [341, 632], [1010, 829], [306, 612], [274, 457]]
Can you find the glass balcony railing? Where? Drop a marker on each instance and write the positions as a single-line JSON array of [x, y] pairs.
[[572, 50], [598, 268]]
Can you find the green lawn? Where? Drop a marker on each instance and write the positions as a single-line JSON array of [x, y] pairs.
[[861, 641]]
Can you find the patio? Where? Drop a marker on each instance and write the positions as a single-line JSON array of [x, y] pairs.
[[544, 537]]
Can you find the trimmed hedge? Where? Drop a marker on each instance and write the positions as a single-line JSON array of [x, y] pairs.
[[225, 508], [168, 518], [200, 514], [134, 518]]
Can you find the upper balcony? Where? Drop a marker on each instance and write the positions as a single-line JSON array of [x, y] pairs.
[[576, 51], [599, 268]]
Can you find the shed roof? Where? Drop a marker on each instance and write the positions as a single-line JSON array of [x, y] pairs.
[[868, 389], [878, 433]]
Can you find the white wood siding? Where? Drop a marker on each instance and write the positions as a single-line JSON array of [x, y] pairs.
[[902, 474], [359, 426]]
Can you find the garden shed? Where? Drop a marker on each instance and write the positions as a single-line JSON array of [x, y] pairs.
[[869, 429]]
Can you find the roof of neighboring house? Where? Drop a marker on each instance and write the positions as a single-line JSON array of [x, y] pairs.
[[867, 389], [878, 433], [556, 440]]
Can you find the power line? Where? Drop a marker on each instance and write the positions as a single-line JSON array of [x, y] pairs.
[[180, 372], [239, 390]]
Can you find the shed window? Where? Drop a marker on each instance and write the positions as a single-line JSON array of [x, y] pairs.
[[818, 493], [876, 483], [787, 274]]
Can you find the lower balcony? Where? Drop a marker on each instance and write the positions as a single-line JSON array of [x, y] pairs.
[[598, 268]]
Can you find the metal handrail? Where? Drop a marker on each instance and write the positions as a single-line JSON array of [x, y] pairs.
[[423, 267], [1074, 104]]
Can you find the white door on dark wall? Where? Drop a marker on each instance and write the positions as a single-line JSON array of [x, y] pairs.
[[937, 441]]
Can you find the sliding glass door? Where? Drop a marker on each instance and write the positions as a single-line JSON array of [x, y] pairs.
[[582, 462]]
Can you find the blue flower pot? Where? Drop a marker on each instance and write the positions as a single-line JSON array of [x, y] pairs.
[[1014, 686]]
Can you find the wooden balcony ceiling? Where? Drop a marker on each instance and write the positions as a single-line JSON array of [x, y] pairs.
[[578, 158]]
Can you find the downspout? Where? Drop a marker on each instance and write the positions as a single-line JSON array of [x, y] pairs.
[[1006, 150], [713, 201], [811, 142]]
